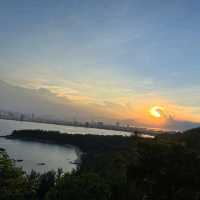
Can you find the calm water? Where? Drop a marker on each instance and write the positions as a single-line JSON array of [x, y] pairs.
[[6, 128], [33, 153]]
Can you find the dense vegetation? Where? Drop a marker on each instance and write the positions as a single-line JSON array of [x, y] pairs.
[[112, 168], [87, 143]]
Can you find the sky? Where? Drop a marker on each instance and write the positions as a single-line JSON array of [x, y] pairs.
[[122, 56]]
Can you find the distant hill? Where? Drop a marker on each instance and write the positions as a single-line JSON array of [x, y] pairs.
[[189, 138], [195, 131]]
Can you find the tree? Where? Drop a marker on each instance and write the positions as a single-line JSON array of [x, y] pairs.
[[80, 187]]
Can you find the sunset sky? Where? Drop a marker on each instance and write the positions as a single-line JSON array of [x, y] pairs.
[[115, 57]]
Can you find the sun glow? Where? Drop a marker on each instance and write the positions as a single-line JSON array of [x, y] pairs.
[[156, 111]]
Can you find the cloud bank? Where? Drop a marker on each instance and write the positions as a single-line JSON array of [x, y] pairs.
[[43, 102]]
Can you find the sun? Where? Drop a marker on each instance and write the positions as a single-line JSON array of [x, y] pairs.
[[156, 111]]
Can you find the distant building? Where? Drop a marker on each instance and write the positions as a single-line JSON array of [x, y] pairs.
[[117, 124], [100, 124], [32, 116], [22, 117], [87, 124]]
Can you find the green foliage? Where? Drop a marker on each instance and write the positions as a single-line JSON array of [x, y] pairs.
[[122, 168], [12, 181], [80, 187], [87, 143], [164, 172]]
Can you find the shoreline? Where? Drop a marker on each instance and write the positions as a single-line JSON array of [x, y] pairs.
[[87, 143], [78, 151], [130, 130], [107, 128]]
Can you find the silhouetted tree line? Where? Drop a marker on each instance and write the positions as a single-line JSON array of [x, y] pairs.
[[112, 168], [87, 143]]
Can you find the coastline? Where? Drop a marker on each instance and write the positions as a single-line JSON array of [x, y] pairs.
[[84, 145], [78, 151]]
